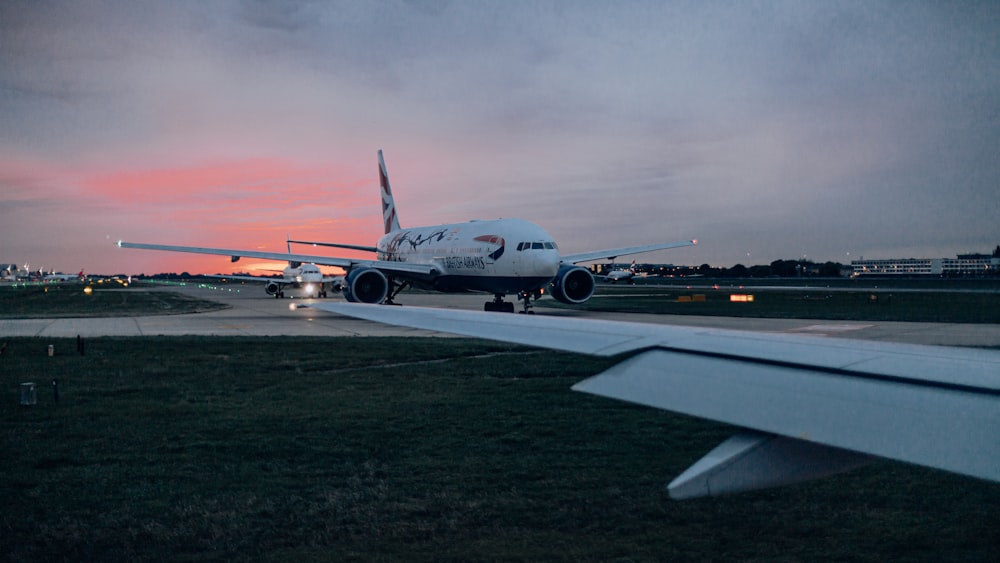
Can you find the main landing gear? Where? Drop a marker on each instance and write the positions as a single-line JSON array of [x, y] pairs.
[[396, 288], [498, 305]]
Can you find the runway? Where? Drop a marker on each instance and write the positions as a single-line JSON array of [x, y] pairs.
[[251, 313]]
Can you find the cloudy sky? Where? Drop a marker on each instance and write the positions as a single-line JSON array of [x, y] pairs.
[[767, 130]]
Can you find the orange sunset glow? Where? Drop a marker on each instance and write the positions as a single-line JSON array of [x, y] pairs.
[[253, 204]]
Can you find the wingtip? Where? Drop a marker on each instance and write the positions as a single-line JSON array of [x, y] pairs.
[[752, 460]]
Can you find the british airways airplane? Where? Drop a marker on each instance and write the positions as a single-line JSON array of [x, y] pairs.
[[501, 256]]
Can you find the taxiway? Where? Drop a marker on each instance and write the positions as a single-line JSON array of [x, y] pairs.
[[251, 313]]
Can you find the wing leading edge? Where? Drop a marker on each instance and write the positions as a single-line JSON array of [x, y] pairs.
[[404, 268], [812, 406], [613, 253]]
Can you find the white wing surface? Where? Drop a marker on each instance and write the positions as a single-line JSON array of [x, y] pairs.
[[246, 278], [616, 252], [813, 405], [336, 245], [346, 263]]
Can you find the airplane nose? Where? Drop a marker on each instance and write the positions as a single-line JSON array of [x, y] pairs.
[[548, 262]]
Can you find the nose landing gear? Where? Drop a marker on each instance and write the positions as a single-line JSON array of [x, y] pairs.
[[526, 297]]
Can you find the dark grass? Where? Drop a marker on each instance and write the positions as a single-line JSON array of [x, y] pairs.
[[396, 449], [859, 283], [860, 305], [69, 300]]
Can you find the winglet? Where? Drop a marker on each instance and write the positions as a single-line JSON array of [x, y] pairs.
[[752, 460], [388, 203]]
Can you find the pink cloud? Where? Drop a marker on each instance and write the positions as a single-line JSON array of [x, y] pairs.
[[240, 204], [245, 204]]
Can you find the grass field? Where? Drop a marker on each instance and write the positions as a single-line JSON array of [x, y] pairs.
[[868, 304], [387, 449], [66, 300], [938, 305]]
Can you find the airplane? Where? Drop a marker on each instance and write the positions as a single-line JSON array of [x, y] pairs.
[[500, 256], [10, 272], [808, 406], [63, 277], [306, 276], [629, 275]]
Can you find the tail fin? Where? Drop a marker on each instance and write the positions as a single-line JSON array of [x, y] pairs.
[[388, 204], [288, 242]]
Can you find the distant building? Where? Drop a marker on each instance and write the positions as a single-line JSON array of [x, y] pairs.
[[964, 265]]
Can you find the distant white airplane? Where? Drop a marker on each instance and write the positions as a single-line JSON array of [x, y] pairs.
[[63, 277], [10, 273], [306, 277], [501, 256], [629, 275], [809, 406]]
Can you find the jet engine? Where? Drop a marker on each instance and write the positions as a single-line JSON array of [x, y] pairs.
[[366, 285], [572, 285], [273, 288]]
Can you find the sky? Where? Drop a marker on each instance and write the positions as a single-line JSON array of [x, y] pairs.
[[766, 130]]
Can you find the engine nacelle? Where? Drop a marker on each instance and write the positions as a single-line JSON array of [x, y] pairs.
[[272, 288], [366, 285], [572, 285]]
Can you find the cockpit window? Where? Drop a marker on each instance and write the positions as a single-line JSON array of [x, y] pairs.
[[537, 246]]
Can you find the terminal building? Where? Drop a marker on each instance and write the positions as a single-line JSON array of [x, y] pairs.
[[974, 265]]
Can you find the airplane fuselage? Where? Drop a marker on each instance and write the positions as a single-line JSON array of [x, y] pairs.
[[306, 277], [497, 256], [306, 273]]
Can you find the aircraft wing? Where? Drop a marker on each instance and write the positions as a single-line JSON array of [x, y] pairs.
[[616, 252], [337, 245], [404, 268], [812, 406], [246, 278]]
